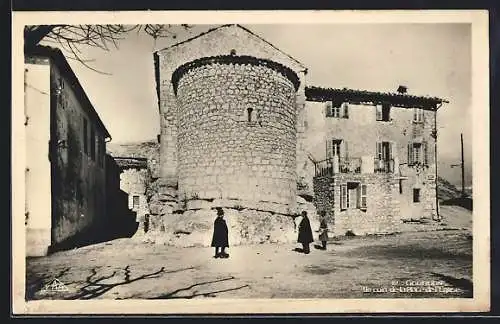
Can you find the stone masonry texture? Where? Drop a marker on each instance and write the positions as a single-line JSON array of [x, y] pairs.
[[237, 136]]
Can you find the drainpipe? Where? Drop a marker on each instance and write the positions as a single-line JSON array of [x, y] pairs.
[[436, 161]]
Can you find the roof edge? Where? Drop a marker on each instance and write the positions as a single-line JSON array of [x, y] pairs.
[[314, 93], [243, 28], [57, 55]]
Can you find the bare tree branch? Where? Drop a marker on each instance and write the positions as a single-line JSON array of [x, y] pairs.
[[71, 38]]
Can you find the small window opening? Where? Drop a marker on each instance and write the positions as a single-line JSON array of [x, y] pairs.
[[416, 195], [135, 202], [249, 114]]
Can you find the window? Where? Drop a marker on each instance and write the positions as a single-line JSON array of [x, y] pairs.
[[418, 115], [92, 143], [400, 186], [85, 136], [383, 112], [135, 202], [336, 147], [418, 153], [416, 195], [249, 114], [337, 109], [353, 195]]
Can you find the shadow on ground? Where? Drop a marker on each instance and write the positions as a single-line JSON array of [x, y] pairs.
[[192, 294], [35, 283], [95, 286]]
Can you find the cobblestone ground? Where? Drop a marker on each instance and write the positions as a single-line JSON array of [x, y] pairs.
[[419, 264]]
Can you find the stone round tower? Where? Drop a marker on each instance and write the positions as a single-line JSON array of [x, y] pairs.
[[237, 135]]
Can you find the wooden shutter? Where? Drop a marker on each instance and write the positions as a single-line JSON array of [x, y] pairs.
[[329, 148], [410, 153], [343, 196], [345, 110], [362, 196], [378, 112], [391, 148], [346, 149], [425, 153], [415, 112], [379, 151], [328, 109]]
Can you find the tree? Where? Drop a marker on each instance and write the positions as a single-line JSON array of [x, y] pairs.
[[71, 38]]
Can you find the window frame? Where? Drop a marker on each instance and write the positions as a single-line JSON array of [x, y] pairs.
[[418, 115], [379, 112], [134, 205]]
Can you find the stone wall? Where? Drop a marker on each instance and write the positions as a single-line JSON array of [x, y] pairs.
[[400, 130], [78, 186], [225, 154], [382, 213], [219, 41], [134, 182]]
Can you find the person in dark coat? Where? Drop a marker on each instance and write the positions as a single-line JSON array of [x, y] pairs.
[[323, 230], [305, 233], [219, 238]]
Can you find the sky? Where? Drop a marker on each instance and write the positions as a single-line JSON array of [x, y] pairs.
[[430, 59]]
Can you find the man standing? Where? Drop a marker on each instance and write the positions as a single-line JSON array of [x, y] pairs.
[[219, 238], [305, 233]]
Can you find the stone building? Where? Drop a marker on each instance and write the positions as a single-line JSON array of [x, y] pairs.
[[65, 154], [385, 170], [134, 180], [233, 112]]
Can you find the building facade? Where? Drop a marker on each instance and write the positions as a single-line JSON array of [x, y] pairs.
[[65, 154], [134, 179], [379, 162], [233, 117], [230, 114]]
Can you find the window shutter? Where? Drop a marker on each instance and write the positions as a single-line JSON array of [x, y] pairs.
[[391, 148], [415, 112], [346, 149], [328, 109], [346, 110], [329, 148], [379, 150], [358, 196], [378, 112], [410, 154], [363, 196], [426, 157], [343, 196]]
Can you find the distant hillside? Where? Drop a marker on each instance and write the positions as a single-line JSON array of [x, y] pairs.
[[446, 190]]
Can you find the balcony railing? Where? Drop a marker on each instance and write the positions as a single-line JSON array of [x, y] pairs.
[[345, 165], [337, 165], [383, 165]]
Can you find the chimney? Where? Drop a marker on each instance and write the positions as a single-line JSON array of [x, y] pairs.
[[402, 89]]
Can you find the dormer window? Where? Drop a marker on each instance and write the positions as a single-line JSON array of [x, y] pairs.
[[383, 112], [337, 109]]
